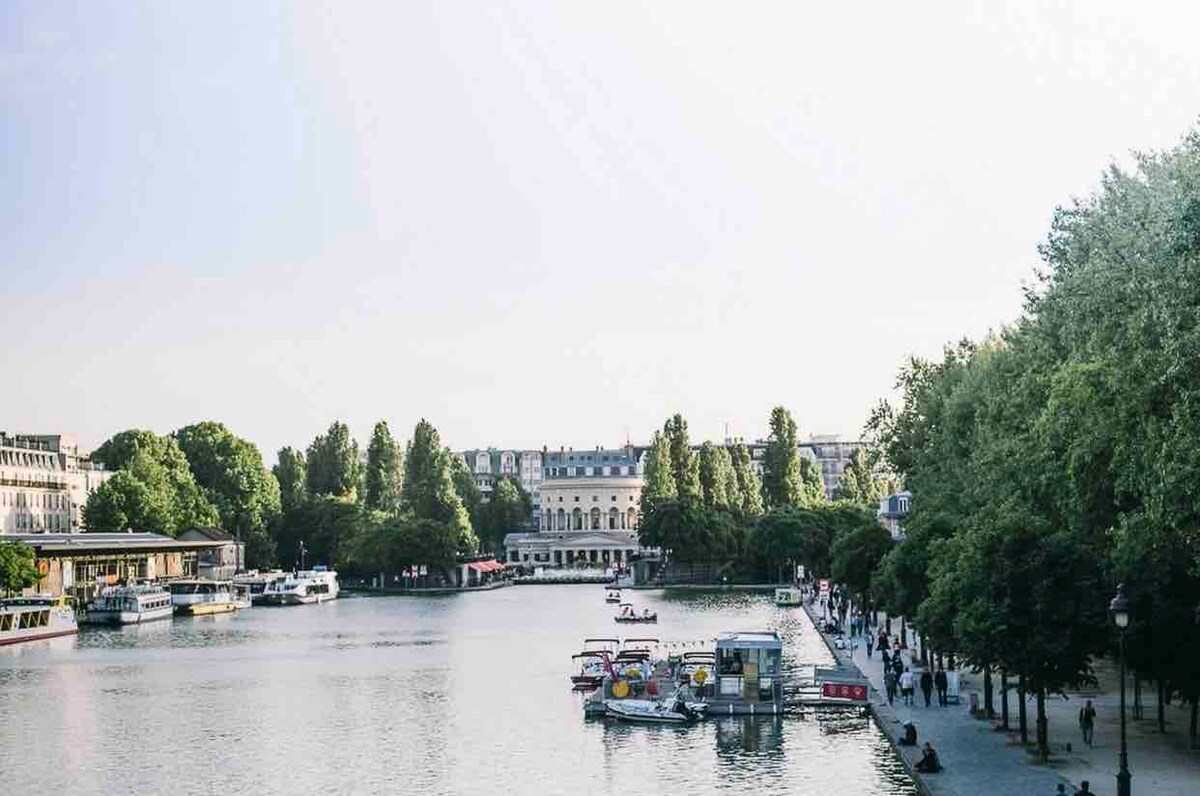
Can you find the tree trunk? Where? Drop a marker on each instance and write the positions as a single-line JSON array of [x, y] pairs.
[[1021, 710], [1043, 730], [1004, 699], [1162, 718], [989, 705], [941, 663], [887, 625], [1192, 725]]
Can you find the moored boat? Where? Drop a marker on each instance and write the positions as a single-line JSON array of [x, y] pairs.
[[257, 581], [613, 596], [33, 618], [675, 708], [202, 597], [302, 588], [128, 605]]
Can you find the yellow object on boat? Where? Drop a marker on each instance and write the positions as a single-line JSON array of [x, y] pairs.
[[620, 689]]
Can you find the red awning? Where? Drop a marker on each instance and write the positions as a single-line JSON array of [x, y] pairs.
[[486, 566]]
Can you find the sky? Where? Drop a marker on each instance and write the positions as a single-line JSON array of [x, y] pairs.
[[538, 223]]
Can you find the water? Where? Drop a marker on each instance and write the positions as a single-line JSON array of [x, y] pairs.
[[462, 694]]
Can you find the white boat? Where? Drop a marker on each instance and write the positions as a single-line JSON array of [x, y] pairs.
[[673, 709], [257, 582], [128, 605], [789, 597], [628, 614], [33, 618], [302, 588], [201, 597]]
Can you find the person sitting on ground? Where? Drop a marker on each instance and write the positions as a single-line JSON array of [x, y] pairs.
[[929, 763], [1084, 790], [910, 734]]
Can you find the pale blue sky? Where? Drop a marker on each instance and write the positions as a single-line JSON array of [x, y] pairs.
[[537, 223]]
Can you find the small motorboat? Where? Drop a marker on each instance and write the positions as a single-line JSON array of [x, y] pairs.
[[592, 668], [627, 614], [674, 709], [613, 596]]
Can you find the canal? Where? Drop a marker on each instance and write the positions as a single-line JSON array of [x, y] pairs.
[[458, 694]]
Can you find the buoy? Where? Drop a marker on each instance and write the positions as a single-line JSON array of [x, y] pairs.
[[620, 689]]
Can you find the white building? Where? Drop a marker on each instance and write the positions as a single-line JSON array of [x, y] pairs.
[[491, 463], [44, 483]]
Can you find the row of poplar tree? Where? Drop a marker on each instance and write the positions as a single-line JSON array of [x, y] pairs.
[[405, 507], [713, 518], [1061, 456]]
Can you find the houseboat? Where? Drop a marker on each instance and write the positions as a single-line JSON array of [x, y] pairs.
[[302, 588], [128, 605], [32, 618], [201, 597]]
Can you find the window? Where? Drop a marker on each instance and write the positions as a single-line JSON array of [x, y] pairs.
[[577, 498], [595, 498], [614, 497]]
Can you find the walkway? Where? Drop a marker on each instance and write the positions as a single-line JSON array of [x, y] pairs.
[[980, 757]]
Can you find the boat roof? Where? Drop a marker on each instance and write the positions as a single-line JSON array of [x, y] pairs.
[[750, 639], [199, 582], [635, 639], [606, 640], [589, 654]]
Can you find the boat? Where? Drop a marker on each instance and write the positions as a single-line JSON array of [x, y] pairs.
[[697, 668], [33, 618], [613, 596], [592, 668], [673, 709], [789, 597], [257, 582], [302, 588], [202, 597], [627, 614], [130, 605]]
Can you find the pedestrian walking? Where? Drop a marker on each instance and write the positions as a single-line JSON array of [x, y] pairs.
[[940, 682], [870, 645], [897, 666], [887, 659], [1087, 722], [889, 684], [906, 686], [927, 686]]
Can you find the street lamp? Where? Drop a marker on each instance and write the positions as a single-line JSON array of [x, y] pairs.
[[1119, 608]]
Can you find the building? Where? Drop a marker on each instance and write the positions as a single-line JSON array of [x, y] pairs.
[[44, 483], [221, 561], [830, 453], [589, 509], [892, 511], [489, 464], [81, 564]]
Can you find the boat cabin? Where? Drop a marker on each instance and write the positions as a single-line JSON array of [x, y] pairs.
[[748, 666]]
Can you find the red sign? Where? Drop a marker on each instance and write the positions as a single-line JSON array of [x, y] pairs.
[[852, 692]]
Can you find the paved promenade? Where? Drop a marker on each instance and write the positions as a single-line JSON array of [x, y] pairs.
[[979, 758]]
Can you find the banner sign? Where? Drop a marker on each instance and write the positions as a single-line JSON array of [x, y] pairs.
[[856, 692]]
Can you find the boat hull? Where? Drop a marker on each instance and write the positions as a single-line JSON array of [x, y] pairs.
[[104, 617], [637, 620], [205, 609], [34, 634]]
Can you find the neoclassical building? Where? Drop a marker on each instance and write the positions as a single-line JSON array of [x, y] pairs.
[[44, 483], [589, 509]]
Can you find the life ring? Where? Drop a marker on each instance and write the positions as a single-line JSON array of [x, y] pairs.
[[620, 689], [700, 676]]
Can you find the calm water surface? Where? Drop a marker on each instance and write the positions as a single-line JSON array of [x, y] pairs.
[[464, 694]]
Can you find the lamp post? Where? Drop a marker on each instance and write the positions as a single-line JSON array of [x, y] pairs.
[[1119, 608]]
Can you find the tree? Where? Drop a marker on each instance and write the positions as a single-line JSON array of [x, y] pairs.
[[860, 484], [657, 481], [290, 472], [508, 509], [332, 465], [782, 484], [715, 471], [230, 470], [152, 491], [857, 553], [383, 478], [812, 485], [466, 489], [17, 567], [685, 470], [429, 492], [749, 489]]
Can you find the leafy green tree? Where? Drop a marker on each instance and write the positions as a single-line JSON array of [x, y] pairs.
[[782, 482], [429, 492], [812, 485], [291, 475], [383, 478], [231, 472], [468, 492], [332, 466], [859, 482], [716, 472], [17, 567], [856, 555], [152, 491], [508, 510], [685, 469], [657, 481], [750, 500], [329, 527]]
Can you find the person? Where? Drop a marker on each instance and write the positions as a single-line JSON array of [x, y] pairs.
[[1061, 790], [906, 686], [910, 734], [897, 665], [929, 763], [1084, 790], [1087, 722], [926, 686], [889, 684], [887, 659], [881, 642], [870, 645], [941, 683]]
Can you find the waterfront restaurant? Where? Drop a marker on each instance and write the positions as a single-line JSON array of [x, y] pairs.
[[80, 564]]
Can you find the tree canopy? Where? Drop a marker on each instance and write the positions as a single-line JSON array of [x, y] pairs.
[[17, 570], [782, 482], [384, 474]]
